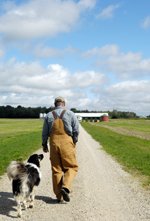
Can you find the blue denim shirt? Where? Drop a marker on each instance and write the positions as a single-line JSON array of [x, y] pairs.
[[69, 119]]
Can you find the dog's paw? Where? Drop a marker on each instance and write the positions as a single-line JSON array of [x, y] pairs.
[[31, 205], [19, 215], [24, 206]]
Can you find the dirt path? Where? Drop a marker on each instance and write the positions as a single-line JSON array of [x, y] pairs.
[[102, 191]]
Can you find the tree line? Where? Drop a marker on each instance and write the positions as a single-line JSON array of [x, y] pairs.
[[34, 112], [22, 112]]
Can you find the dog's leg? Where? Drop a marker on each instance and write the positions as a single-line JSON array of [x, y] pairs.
[[19, 210], [32, 197], [25, 204]]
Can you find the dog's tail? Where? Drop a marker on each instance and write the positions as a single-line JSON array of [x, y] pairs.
[[16, 170]]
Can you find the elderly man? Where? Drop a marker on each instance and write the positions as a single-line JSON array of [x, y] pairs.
[[62, 128]]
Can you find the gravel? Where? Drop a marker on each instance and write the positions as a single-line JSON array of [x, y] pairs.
[[102, 191]]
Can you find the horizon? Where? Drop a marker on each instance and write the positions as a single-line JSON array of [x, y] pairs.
[[77, 110]]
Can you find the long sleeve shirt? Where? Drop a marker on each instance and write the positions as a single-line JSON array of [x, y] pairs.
[[69, 119]]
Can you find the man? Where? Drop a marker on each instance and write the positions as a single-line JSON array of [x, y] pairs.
[[62, 128]]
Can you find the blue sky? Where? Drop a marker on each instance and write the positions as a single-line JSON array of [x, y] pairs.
[[94, 53]]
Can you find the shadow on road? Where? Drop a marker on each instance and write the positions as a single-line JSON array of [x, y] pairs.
[[6, 204], [46, 199]]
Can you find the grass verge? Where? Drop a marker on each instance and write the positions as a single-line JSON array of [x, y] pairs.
[[140, 125], [133, 153], [20, 139]]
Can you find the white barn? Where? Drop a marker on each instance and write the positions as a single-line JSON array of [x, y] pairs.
[[87, 116], [92, 116], [42, 115]]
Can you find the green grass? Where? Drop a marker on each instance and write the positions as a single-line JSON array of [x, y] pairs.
[[141, 125], [132, 152], [11, 127], [18, 139]]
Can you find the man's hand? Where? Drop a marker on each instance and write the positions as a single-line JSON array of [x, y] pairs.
[[75, 138], [45, 147]]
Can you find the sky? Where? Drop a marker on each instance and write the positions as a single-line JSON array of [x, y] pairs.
[[94, 53]]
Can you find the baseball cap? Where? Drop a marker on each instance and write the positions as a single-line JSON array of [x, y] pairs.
[[59, 99]]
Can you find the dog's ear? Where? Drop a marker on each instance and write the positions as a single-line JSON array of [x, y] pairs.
[[40, 156]]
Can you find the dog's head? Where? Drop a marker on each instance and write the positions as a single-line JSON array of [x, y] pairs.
[[35, 159]]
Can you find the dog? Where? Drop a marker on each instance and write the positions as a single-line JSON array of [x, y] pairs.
[[25, 176]]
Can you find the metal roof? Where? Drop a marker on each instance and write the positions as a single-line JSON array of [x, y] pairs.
[[91, 114]]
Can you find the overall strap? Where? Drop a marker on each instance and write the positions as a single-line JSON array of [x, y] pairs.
[[62, 114], [56, 116]]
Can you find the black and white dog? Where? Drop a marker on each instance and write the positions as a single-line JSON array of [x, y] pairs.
[[25, 176]]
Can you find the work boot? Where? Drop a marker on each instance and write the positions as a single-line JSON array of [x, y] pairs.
[[59, 198], [65, 194]]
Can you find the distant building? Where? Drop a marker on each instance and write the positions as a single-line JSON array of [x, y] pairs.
[[92, 116], [95, 117], [42, 115]]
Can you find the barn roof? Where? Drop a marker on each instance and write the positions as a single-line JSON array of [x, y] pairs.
[[91, 114]]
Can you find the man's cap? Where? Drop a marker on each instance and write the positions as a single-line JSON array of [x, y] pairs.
[[59, 99]]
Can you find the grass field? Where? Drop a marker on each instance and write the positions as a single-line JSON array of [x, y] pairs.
[[18, 139], [140, 125], [132, 152]]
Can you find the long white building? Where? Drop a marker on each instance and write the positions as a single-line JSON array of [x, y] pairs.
[[92, 116], [87, 116]]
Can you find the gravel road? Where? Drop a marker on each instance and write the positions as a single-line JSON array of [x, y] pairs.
[[102, 191]]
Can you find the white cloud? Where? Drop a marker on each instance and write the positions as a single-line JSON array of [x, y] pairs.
[[146, 23], [128, 88], [22, 81], [31, 84], [129, 65], [88, 79], [35, 19], [125, 65], [130, 96], [43, 51], [108, 12], [87, 4], [106, 50], [35, 84]]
